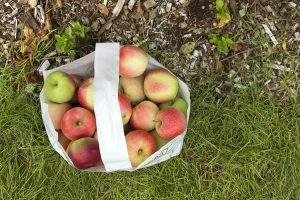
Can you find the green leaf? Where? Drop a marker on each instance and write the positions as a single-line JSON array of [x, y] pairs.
[[79, 29], [188, 48], [219, 5], [65, 43], [223, 43], [68, 32], [222, 13]]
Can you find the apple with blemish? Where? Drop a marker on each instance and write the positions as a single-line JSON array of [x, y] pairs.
[[84, 152], [56, 112], [59, 87], [133, 61], [77, 123], [133, 88], [143, 116], [169, 123], [125, 108], [160, 86], [140, 145], [85, 94]]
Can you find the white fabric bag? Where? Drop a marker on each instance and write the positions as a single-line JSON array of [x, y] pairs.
[[104, 65]]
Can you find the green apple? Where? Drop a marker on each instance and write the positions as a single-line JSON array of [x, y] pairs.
[[166, 104], [178, 103], [59, 87], [159, 141]]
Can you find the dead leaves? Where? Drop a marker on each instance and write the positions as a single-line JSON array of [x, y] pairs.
[[57, 3], [102, 9], [30, 37], [28, 41], [32, 3]]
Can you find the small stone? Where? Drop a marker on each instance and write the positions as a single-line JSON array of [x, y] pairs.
[[297, 36], [231, 73], [135, 39], [5, 46], [131, 4], [152, 45], [242, 12], [85, 20], [183, 1], [183, 25], [292, 4], [187, 35], [196, 54], [247, 66], [67, 60], [162, 11], [295, 27], [168, 7], [187, 48], [237, 79], [149, 4]]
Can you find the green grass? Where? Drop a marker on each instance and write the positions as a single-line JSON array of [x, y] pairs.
[[244, 147]]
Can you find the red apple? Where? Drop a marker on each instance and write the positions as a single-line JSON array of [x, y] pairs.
[[56, 112], [84, 152], [125, 107], [77, 123], [133, 61], [140, 145], [85, 94], [170, 123], [143, 116]]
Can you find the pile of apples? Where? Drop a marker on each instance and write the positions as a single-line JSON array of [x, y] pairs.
[[151, 110]]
